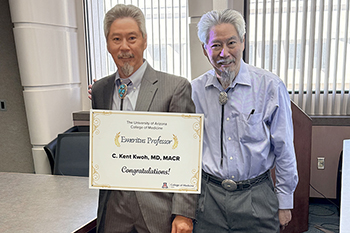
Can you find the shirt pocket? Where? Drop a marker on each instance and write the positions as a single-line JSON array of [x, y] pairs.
[[252, 128]]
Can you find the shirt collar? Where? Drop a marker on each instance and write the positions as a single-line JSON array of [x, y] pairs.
[[136, 77], [243, 77]]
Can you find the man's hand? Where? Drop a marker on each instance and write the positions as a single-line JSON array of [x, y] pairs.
[[285, 217], [182, 224], [90, 87]]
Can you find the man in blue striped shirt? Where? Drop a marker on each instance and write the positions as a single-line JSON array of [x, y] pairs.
[[248, 130]]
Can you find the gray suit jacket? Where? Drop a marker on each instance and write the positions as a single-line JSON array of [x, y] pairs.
[[159, 92]]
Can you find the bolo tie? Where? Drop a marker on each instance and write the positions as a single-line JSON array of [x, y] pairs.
[[122, 91], [223, 100]]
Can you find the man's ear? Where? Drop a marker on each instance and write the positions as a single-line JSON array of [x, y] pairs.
[[145, 42], [243, 43], [204, 50]]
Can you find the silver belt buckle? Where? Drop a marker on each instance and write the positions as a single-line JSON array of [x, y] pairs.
[[229, 185]]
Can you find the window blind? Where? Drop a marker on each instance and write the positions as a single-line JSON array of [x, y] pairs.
[[306, 44]]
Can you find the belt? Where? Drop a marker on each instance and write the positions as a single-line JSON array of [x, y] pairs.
[[231, 185]]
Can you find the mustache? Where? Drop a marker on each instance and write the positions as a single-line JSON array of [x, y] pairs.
[[125, 55], [226, 61]]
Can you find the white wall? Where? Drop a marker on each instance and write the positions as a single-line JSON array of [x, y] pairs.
[[50, 50]]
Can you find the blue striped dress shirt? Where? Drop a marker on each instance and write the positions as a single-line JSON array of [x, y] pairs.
[[258, 128]]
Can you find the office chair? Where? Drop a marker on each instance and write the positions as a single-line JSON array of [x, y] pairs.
[[50, 148], [72, 154]]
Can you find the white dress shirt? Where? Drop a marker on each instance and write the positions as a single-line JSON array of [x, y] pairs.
[[132, 92]]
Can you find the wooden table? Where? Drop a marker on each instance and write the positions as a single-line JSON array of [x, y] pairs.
[[46, 203]]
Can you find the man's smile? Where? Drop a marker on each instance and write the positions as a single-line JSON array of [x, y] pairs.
[[226, 62]]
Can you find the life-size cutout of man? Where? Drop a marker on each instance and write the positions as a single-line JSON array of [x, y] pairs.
[[146, 90], [248, 130]]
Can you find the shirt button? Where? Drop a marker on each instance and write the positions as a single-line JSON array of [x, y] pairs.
[[227, 118], [231, 158], [233, 177], [229, 138]]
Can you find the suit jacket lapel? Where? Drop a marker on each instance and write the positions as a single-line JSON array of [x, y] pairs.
[[149, 87], [109, 91]]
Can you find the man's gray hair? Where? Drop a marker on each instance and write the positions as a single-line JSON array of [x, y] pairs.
[[213, 18], [124, 11]]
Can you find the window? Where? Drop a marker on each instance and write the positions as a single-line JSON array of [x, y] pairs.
[[306, 44], [167, 36]]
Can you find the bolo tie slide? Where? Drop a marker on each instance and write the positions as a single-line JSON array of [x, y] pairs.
[[122, 91]]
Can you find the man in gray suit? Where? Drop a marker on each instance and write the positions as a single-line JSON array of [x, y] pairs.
[[141, 88]]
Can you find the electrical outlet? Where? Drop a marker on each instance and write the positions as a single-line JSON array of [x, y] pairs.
[[320, 163], [2, 105]]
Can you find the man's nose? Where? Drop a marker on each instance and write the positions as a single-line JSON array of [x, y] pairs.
[[224, 52], [124, 45]]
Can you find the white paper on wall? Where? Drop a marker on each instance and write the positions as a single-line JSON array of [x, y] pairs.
[[345, 191]]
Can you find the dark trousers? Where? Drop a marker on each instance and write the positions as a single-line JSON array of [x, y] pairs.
[[123, 214], [250, 210]]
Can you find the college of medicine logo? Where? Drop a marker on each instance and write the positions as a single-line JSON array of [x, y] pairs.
[[165, 185]]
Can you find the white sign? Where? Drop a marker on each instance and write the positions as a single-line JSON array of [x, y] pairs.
[[345, 189], [145, 151]]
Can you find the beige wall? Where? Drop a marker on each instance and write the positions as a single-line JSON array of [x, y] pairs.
[[51, 60], [15, 147], [327, 142]]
